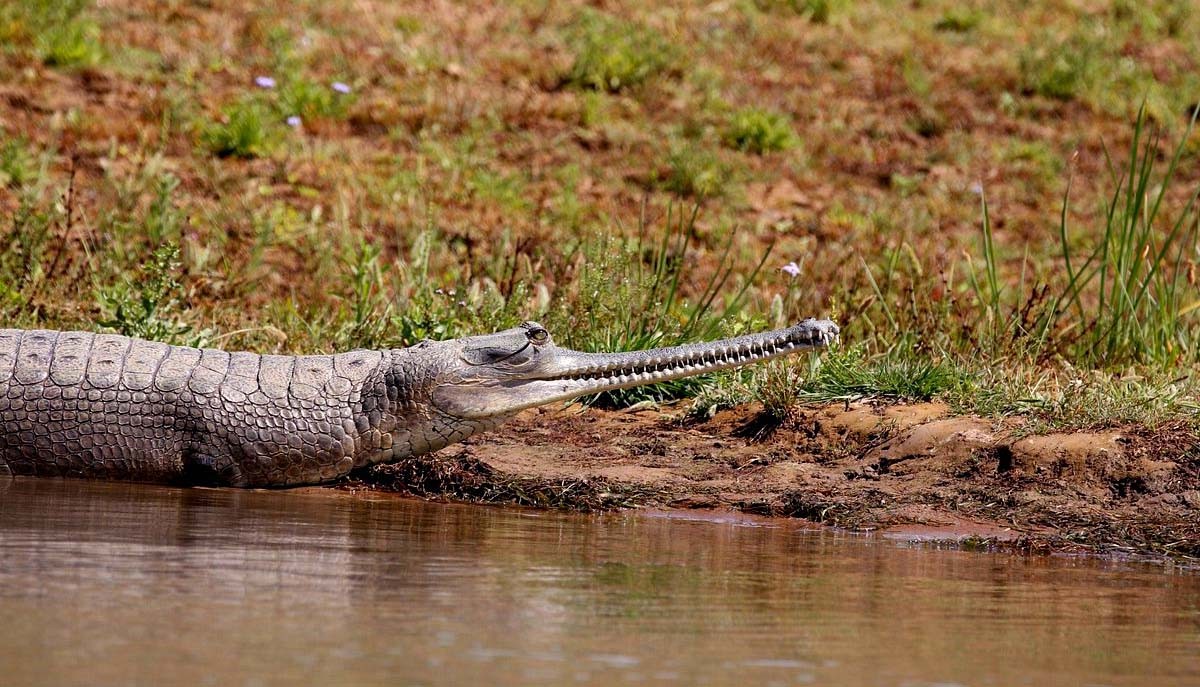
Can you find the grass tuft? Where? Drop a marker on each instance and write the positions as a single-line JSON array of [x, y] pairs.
[[72, 43], [150, 306], [695, 172], [1131, 298], [816, 11], [959, 20], [247, 130], [59, 32], [612, 55], [311, 101], [759, 131], [17, 164], [631, 299], [848, 374]]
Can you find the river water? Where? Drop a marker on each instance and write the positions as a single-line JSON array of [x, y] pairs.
[[115, 584]]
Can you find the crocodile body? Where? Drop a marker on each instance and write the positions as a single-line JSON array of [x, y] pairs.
[[79, 404]]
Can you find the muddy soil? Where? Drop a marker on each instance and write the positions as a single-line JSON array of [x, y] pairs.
[[910, 471]]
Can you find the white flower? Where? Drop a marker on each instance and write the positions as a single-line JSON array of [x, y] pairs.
[[792, 269], [264, 82]]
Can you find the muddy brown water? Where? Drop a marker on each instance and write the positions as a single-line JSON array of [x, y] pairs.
[[113, 584]]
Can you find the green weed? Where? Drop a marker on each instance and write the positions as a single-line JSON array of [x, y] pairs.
[[1130, 299], [1036, 157], [401, 301], [25, 255], [695, 172], [1072, 398], [848, 374], [630, 299], [508, 190], [759, 131], [1154, 18], [17, 164], [816, 11], [820, 11], [1058, 69], [611, 54], [310, 100], [247, 130], [149, 307], [60, 33], [72, 43], [959, 20]]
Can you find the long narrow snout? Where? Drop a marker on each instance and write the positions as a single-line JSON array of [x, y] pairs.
[[569, 374], [605, 371]]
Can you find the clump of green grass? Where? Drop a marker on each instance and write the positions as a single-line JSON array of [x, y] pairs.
[[1088, 65], [1130, 299], [1074, 398], [1055, 73], [59, 32], [758, 131], [1119, 295], [612, 54], [820, 11], [17, 165], [816, 11], [381, 302], [72, 43], [959, 20], [695, 172], [507, 190], [150, 307], [1059, 68], [24, 262], [1139, 271], [1034, 156], [1153, 18], [247, 130], [310, 100], [848, 374], [1058, 71], [630, 299]]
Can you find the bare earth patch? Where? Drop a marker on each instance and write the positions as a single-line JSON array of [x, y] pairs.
[[908, 471]]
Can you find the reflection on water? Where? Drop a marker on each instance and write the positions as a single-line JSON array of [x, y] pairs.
[[128, 584]]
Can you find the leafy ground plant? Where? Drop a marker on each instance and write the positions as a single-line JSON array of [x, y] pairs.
[[631, 300], [150, 307], [611, 54], [759, 131], [695, 172], [247, 129], [60, 33]]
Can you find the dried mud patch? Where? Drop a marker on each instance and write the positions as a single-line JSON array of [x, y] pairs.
[[908, 471]]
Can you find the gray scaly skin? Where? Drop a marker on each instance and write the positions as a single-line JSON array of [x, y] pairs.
[[100, 405]]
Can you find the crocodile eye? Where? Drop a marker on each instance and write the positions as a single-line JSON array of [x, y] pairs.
[[538, 335]]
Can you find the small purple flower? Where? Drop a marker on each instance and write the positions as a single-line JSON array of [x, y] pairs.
[[294, 121], [264, 82], [792, 269], [340, 87], [976, 188]]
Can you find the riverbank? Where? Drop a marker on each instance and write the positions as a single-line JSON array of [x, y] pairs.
[[911, 471]]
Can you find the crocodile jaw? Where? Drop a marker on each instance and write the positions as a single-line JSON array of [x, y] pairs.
[[564, 374]]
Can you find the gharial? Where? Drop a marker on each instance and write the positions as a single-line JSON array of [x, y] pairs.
[[108, 406]]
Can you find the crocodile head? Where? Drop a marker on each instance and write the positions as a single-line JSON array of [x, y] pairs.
[[502, 373]]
